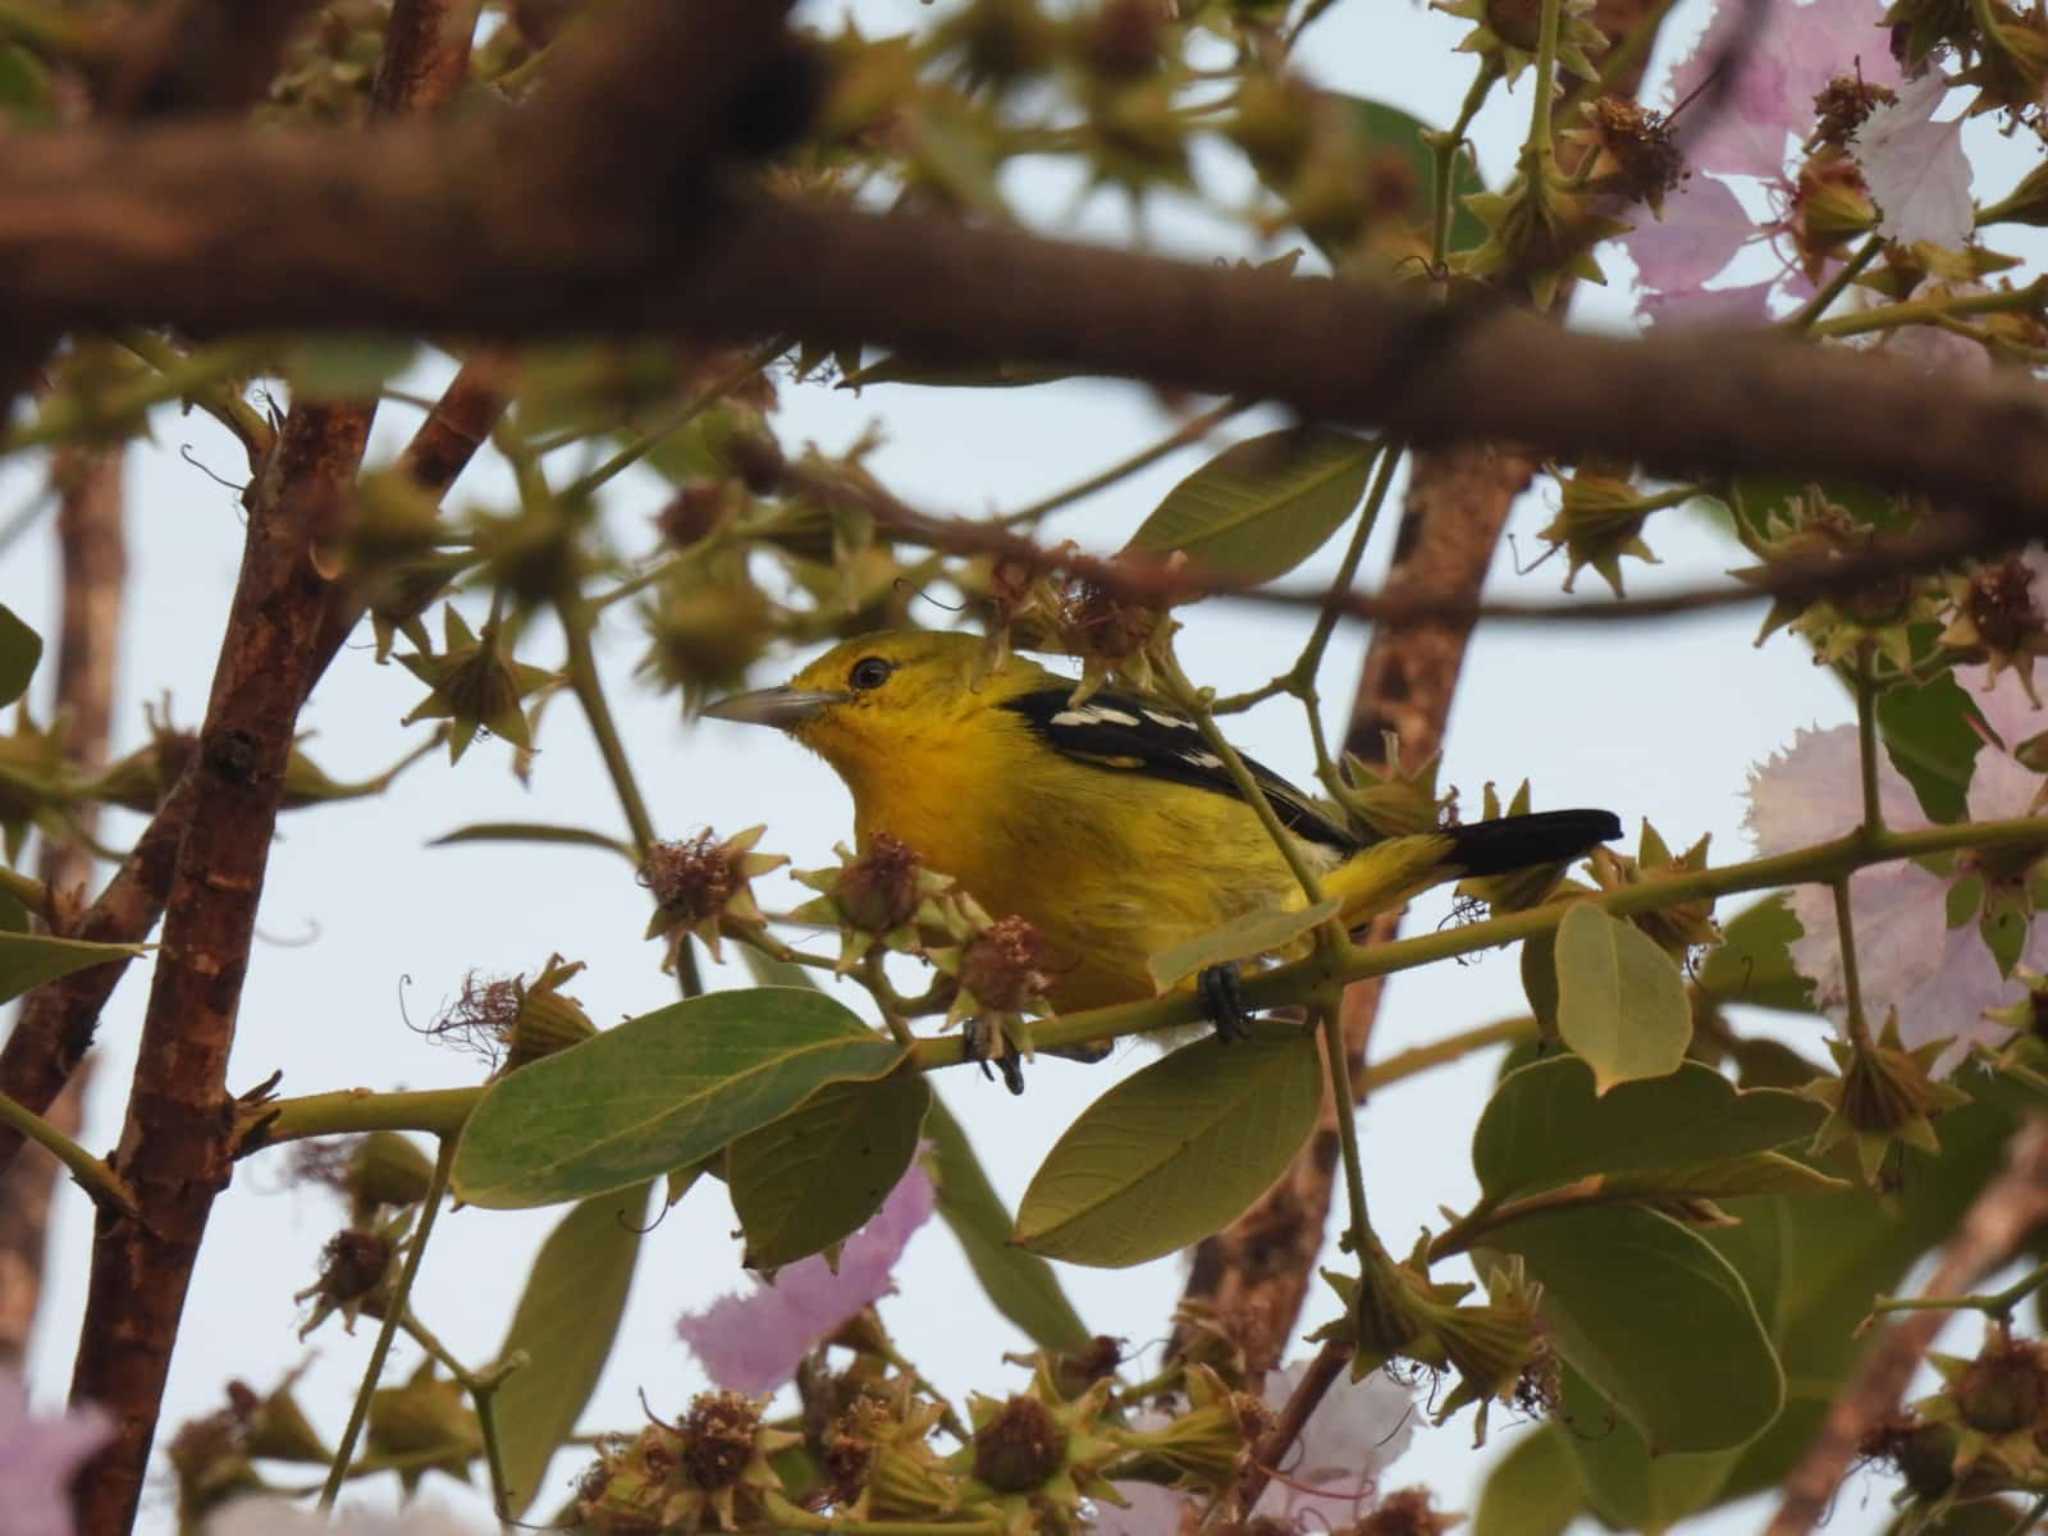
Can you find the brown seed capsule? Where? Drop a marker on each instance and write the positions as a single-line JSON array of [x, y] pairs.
[[1003, 965], [1020, 1447], [718, 1438]]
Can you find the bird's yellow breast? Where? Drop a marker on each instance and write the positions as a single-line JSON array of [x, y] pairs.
[[1111, 866]]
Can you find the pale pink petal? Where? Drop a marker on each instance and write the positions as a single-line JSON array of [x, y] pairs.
[[1746, 304], [1817, 42], [38, 1458], [1915, 167], [2006, 789], [753, 1343], [274, 1517], [1936, 351], [1812, 792], [1357, 1431], [1151, 1511], [1703, 227]]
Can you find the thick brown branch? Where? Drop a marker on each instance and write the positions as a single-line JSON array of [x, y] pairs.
[[2011, 1209]]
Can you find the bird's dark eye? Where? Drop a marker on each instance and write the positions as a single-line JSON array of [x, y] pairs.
[[870, 672]]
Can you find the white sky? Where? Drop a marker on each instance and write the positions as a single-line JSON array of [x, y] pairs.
[[1661, 724]]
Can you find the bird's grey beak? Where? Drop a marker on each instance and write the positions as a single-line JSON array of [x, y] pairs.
[[782, 708]]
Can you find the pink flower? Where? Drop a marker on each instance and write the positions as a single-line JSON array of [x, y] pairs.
[[1358, 1430], [1939, 979], [1774, 72], [38, 1459], [1915, 167], [753, 1343]]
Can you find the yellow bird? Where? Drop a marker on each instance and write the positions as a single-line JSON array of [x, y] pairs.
[[1109, 825]]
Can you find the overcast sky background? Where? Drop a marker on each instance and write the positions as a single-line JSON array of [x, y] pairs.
[[1663, 724]]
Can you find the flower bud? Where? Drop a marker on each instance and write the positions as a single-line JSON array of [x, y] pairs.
[[426, 1415], [1003, 965], [698, 509], [2004, 1389], [386, 1168], [705, 887], [474, 685], [1274, 123], [1630, 151], [1407, 1512], [356, 1271], [704, 633], [1676, 929], [209, 1457], [1599, 521], [1125, 39], [1844, 105], [1018, 1446], [1001, 42], [1831, 206], [1885, 1096], [1996, 621]]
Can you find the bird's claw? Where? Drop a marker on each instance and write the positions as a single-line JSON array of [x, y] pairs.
[[1222, 992], [985, 1045]]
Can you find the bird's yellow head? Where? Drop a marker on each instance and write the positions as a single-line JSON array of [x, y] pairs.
[[873, 697]]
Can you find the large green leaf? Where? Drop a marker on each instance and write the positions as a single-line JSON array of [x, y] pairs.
[[1534, 1490], [657, 1093], [1753, 962], [1255, 933], [1623, 1483], [1383, 127], [1926, 730], [20, 649], [1175, 1151], [567, 1317], [804, 1182], [28, 960], [1642, 1306], [1021, 1285], [1621, 1001], [1545, 1125], [1262, 506]]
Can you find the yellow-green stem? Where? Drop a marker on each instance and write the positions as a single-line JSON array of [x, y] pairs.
[[107, 1188], [1443, 194], [394, 1309], [1852, 982]]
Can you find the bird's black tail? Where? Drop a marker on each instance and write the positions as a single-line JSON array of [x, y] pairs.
[[1517, 842]]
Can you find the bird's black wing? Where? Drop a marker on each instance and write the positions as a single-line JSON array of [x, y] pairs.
[[1128, 735]]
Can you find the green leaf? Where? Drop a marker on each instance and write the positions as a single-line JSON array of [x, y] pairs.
[[1926, 730], [1620, 999], [1545, 1125], [566, 1321], [25, 95], [27, 960], [20, 649], [533, 832], [1534, 1490], [1021, 1285], [1375, 127], [347, 367], [1255, 933], [1753, 962], [1262, 506], [1641, 1306], [1175, 1151], [1624, 1484], [1754, 1173], [680, 1181], [658, 1092], [811, 1178], [13, 915]]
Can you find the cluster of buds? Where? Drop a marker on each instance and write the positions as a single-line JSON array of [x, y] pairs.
[[1985, 1432], [710, 1471], [534, 556], [1356, 198], [1994, 620], [213, 1457], [877, 1457], [704, 886], [1600, 521], [1036, 1455], [429, 1422], [475, 684], [1207, 1448], [1810, 533], [1498, 1348], [704, 632], [1886, 1098], [999, 968], [1538, 233], [1389, 801], [1831, 207], [358, 1270], [1506, 32], [1677, 929], [883, 897], [1518, 889], [513, 1021], [2010, 71]]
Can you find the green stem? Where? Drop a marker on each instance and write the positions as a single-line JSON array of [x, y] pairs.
[[1344, 1110], [26, 889], [395, 1308], [220, 400], [69, 415], [1852, 982], [1308, 666], [1998, 1304], [1806, 319], [482, 1387], [588, 686], [1192, 431], [752, 363], [1932, 311], [1441, 1053], [783, 1515], [1540, 147], [1866, 740], [108, 1189], [1189, 698], [1443, 191], [442, 1111]]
